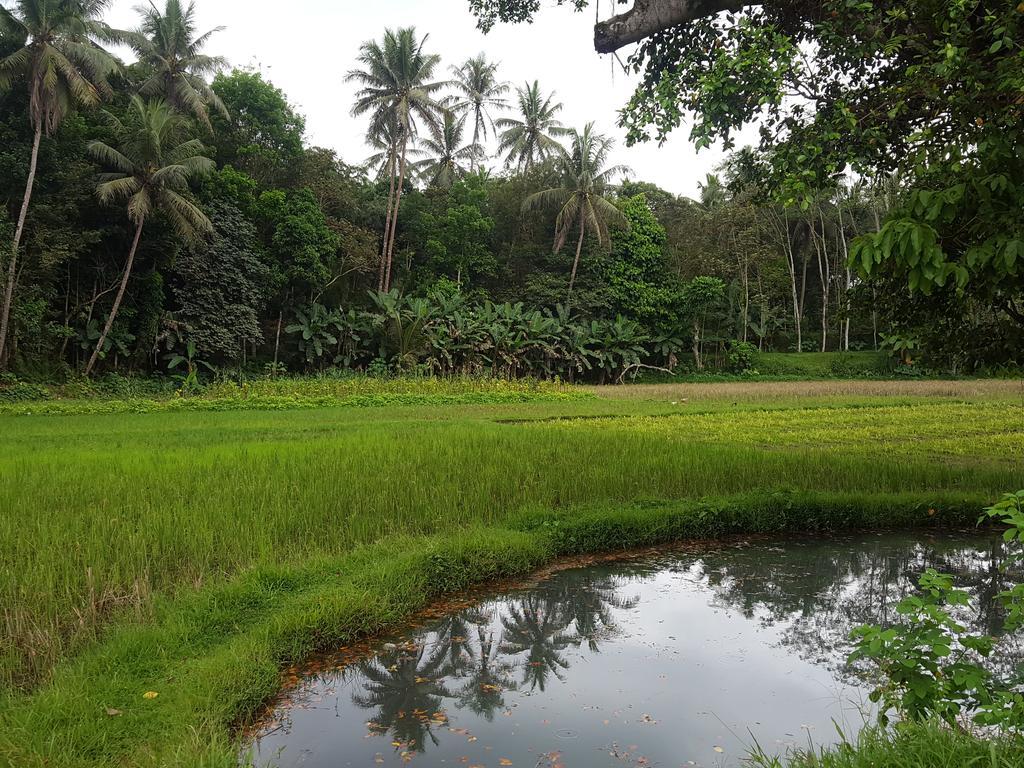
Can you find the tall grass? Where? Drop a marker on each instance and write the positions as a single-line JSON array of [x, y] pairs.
[[927, 745], [103, 511]]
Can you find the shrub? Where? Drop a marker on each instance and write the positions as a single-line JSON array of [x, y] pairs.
[[14, 391], [741, 356]]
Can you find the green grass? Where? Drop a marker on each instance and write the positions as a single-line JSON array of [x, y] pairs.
[[194, 553], [283, 394], [823, 364], [925, 745]]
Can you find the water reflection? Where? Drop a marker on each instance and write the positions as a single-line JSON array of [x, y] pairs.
[[715, 642]]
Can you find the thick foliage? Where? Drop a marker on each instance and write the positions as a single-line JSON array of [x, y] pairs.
[[930, 663]]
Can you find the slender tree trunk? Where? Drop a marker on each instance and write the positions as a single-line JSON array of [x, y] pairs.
[[5, 310], [803, 288], [117, 299], [823, 273], [787, 248], [874, 318], [697, 361], [394, 218], [277, 341], [746, 296], [575, 265], [392, 160], [845, 252], [797, 321]]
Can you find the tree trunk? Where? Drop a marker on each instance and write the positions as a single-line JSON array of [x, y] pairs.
[[791, 259], [575, 265], [392, 160], [5, 310], [746, 296], [823, 274], [803, 290], [697, 361], [844, 250], [277, 340], [786, 241], [394, 218], [117, 299], [874, 318]]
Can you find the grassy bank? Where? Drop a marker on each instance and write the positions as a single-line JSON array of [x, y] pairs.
[[927, 745], [194, 553]]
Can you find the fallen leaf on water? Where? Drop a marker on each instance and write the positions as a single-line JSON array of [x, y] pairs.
[[150, 695], [719, 749], [113, 712], [504, 761]]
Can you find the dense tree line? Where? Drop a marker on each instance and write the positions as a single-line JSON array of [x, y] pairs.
[[170, 213]]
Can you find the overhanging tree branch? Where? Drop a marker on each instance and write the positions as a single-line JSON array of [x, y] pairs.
[[648, 17]]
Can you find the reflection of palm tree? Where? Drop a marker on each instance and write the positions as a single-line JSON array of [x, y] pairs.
[[453, 633], [404, 688], [487, 678], [587, 608], [536, 627]]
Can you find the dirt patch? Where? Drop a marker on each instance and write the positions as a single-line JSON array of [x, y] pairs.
[[773, 390]]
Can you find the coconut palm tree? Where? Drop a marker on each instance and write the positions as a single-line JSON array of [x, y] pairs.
[[64, 66], [383, 142], [478, 92], [713, 193], [580, 199], [448, 159], [398, 92], [530, 138], [168, 44], [150, 170]]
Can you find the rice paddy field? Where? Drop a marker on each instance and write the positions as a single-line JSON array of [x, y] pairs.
[[191, 550]]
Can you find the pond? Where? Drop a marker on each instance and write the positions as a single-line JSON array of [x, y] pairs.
[[683, 657]]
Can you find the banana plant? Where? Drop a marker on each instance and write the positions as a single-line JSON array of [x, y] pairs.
[[118, 342], [186, 368], [318, 328]]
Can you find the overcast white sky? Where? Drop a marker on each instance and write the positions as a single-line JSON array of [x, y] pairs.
[[305, 47]]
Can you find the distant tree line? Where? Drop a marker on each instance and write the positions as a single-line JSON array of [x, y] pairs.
[[172, 210]]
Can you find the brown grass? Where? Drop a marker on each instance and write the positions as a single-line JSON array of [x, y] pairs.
[[774, 390]]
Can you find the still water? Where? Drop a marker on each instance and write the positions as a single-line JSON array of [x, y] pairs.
[[680, 658]]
